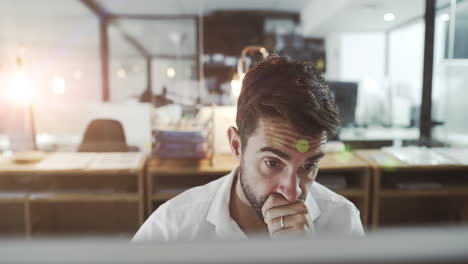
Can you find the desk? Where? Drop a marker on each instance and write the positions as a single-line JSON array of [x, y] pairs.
[[376, 137], [168, 178], [407, 195], [73, 193]]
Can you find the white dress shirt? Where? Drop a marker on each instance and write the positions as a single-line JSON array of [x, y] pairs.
[[203, 213]]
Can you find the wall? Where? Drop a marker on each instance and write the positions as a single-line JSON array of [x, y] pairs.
[[450, 81], [360, 57], [58, 42], [406, 58]]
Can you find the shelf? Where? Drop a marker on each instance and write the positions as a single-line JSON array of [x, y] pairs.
[[222, 164], [7, 197], [75, 163], [443, 192], [351, 192], [169, 194], [12, 220], [83, 197], [389, 163], [341, 162], [83, 218]]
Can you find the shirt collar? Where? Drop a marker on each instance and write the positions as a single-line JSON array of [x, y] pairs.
[[219, 215], [312, 205]]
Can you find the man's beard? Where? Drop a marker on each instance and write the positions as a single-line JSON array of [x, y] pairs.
[[256, 202]]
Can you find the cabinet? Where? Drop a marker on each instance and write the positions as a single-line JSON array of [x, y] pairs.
[[415, 195], [101, 199]]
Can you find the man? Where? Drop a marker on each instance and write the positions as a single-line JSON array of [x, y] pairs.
[[284, 113]]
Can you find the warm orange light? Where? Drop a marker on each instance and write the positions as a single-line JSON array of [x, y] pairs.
[[236, 84], [21, 91]]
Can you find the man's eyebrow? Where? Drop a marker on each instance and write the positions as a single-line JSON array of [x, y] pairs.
[[316, 156], [280, 153]]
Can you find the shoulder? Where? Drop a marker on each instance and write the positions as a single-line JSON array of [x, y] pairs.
[[182, 214], [327, 196], [194, 199], [338, 214]]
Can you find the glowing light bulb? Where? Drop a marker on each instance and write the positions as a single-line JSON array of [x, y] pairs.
[[121, 73], [58, 85], [21, 90], [236, 84], [389, 17], [171, 72]]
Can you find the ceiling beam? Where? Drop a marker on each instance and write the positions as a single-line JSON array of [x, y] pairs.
[[133, 41], [174, 57], [154, 17], [96, 8], [110, 18]]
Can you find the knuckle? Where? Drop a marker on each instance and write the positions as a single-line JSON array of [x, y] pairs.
[[264, 210], [300, 220], [275, 222], [303, 207], [274, 199], [304, 219], [267, 215]]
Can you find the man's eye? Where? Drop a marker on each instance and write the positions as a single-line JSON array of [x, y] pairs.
[[310, 166], [272, 163]]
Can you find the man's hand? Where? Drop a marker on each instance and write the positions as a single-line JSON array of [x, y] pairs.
[[295, 217]]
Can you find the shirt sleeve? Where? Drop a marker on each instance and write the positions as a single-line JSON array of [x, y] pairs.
[[356, 224], [156, 228]]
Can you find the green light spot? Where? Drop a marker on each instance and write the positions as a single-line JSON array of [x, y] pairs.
[[389, 165], [302, 145], [344, 156]]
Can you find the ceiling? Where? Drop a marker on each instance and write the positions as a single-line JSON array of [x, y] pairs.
[[70, 24], [194, 7], [24, 9], [360, 15]]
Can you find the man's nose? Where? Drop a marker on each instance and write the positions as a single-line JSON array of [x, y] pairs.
[[289, 187]]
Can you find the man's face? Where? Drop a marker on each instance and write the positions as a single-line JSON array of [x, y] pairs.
[[277, 159]]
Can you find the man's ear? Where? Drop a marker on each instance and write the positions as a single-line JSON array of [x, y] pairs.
[[234, 142]]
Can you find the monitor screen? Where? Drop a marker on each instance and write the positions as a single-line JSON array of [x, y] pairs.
[[345, 94]]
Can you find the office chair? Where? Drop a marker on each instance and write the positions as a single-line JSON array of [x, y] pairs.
[[104, 135]]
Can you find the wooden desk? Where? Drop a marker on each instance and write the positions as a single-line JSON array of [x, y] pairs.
[[376, 137], [168, 178], [357, 174], [442, 200], [92, 199]]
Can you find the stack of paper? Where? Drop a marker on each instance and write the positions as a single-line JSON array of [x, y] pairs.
[[66, 161], [459, 155], [116, 160], [419, 156]]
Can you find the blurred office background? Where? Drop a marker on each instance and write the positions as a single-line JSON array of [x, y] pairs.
[[145, 70]]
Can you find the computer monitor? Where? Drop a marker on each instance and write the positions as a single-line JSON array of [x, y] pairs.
[[408, 246], [345, 94]]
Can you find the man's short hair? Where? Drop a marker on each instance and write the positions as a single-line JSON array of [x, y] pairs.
[[293, 91]]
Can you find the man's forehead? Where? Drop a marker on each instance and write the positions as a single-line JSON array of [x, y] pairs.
[[280, 134]]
